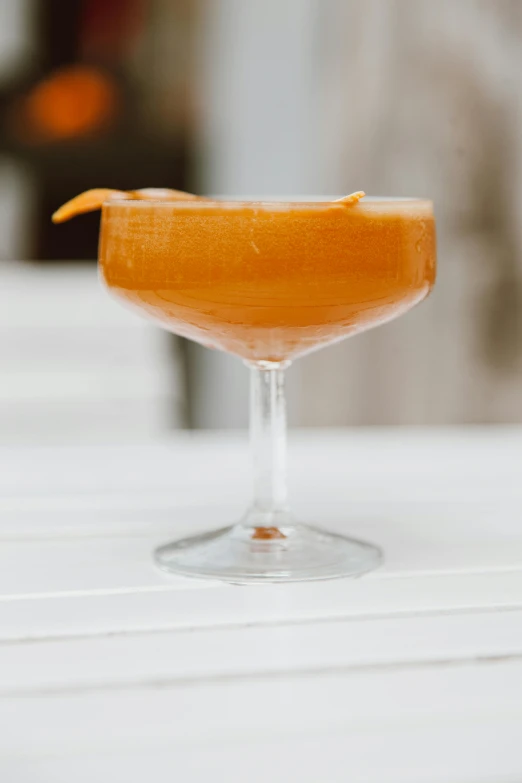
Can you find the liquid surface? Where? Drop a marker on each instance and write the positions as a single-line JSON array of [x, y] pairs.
[[268, 281]]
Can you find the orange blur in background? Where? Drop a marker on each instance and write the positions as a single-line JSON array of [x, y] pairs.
[[72, 102]]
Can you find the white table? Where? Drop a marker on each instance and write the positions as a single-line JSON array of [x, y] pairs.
[[113, 671], [73, 364]]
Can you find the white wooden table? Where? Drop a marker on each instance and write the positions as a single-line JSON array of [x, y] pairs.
[[72, 364], [113, 671]]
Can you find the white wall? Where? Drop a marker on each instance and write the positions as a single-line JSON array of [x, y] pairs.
[[258, 82]]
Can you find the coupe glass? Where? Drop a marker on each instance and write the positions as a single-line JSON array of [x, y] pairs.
[[268, 282]]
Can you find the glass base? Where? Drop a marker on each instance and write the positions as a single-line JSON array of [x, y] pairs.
[[288, 553]]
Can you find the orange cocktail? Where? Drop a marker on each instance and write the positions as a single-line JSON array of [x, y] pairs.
[[268, 282]]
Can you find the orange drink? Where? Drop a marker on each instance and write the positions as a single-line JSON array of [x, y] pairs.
[[267, 282], [271, 281]]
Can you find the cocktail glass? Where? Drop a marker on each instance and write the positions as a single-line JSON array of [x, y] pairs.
[[268, 282]]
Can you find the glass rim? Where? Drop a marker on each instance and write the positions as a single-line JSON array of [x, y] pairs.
[[306, 202]]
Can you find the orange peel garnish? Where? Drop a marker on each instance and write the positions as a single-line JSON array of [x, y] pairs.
[[91, 200]]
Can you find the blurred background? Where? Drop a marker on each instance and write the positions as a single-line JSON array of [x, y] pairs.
[[272, 98]]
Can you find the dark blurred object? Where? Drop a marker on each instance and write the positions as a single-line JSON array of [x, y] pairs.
[[108, 29], [76, 121]]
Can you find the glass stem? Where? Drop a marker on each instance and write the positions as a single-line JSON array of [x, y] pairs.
[[268, 440]]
